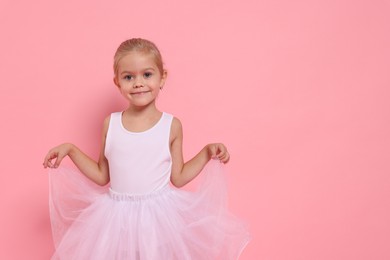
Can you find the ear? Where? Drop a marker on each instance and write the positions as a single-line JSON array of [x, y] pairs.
[[163, 78], [116, 82]]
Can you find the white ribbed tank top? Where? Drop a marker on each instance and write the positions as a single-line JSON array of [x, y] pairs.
[[139, 162]]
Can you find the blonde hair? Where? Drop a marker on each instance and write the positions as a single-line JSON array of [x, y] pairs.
[[141, 45]]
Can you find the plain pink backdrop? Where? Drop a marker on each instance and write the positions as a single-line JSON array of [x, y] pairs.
[[298, 91]]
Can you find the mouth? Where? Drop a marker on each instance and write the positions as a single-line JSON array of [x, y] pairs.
[[139, 93]]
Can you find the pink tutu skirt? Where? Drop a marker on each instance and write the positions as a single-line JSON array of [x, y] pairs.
[[93, 222]]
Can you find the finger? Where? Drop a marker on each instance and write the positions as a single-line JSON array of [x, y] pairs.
[[213, 151], [50, 156], [221, 149], [58, 160], [46, 161], [221, 155], [50, 164], [222, 152], [225, 157]]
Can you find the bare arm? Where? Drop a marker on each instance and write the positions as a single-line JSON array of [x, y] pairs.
[[182, 173], [95, 171]]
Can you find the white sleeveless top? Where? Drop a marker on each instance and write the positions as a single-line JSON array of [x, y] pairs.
[[139, 162]]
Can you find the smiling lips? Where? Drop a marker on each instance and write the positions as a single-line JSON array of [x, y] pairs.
[[139, 93]]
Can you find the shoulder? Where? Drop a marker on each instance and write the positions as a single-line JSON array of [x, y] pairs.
[[108, 118], [176, 127], [106, 123], [176, 123]]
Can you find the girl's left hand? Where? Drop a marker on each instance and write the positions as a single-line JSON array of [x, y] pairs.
[[218, 151]]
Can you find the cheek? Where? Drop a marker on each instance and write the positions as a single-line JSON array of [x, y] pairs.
[[124, 84], [159, 82], [122, 87]]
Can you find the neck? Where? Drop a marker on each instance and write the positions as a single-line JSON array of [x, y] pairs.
[[149, 110]]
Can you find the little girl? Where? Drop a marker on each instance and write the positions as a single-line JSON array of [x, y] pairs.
[[141, 216]]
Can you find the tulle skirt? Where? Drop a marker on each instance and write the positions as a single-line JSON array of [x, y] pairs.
[[93, 222]]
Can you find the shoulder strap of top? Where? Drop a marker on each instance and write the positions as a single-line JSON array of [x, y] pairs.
[[167, 120], [114, 119]]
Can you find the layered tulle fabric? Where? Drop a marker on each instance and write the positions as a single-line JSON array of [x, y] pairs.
[[93, 222]]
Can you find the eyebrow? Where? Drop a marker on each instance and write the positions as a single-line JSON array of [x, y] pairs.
[[129, 72]]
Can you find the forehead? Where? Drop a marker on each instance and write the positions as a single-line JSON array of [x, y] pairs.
[[136, 60]]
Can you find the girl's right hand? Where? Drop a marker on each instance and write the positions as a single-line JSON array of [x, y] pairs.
[[58, 153]]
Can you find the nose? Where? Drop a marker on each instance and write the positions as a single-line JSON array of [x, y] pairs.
[[138, 83]]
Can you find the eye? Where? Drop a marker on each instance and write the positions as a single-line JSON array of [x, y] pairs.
[[127, 77], [147, 74]]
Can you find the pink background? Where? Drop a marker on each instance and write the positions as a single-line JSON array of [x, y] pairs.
[[298, 91]]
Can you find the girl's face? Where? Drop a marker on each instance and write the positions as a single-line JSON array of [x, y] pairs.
[[139, 79]]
